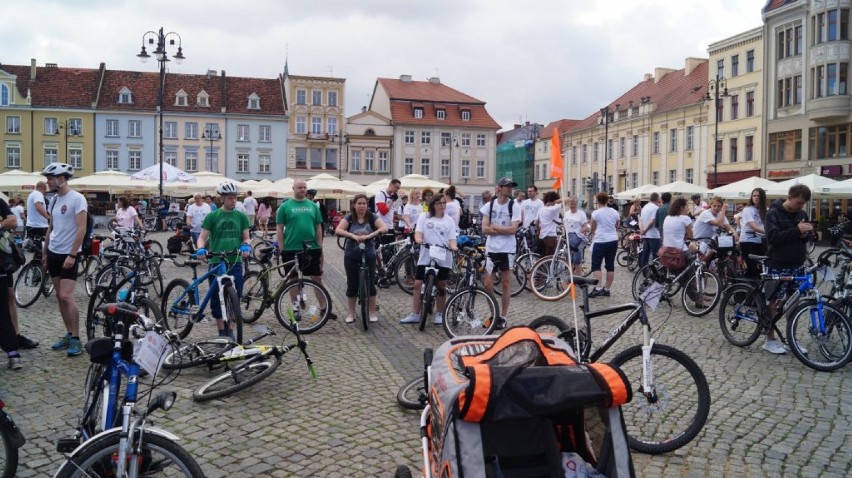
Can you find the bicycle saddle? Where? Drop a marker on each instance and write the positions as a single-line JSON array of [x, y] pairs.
[[585, 281], [756, 257]]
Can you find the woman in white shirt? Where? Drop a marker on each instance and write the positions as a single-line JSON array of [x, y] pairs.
[[412, 210], [605, 244], [752, 232], [576, 228], [548, 222], [126, 215], [677, 226]]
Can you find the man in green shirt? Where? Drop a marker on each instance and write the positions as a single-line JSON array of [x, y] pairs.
[[303, 222], [225, 230]]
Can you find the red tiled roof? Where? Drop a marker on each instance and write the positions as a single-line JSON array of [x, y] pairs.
[[561, 125], [424, 91], [270, 92], [57, 87], [404, 95], [672, 91], [773, 4]]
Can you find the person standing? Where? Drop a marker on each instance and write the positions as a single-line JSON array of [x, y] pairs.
[[400, 214], [36, 205], [576, 228], [301, 217], [250, 203], [360, 226], [453, 208], [126, 215], [752, 233], [501, 218], [663, 211], [263, 214], [17, 208], [531, 206], [65, 234], [412, 211], [486, 197], [195, 214], [548, 221], [605, 244], [211, 203], [225, 230], [10, 340], [384, 209], [426, 198], [698, 206], [648, 229]]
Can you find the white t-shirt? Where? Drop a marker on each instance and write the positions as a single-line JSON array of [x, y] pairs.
[[239, 206], [702, 229], [531, 208], [63, 212], [438, 231], [174, 206], [547, 216], [17, 211], [124, 217], [453, 210], [674, 230], [250, 204], [400, 211], [698, 208], [196, 215], [747, 234], [500, 217], [384, 197], [413, 211], [649, 216], [606, 218], [34, 219], [574, 221]]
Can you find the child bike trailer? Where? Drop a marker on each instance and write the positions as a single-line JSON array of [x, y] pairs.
[[519, 406]]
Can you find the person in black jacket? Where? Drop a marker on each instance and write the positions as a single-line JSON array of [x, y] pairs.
[[787, 233]]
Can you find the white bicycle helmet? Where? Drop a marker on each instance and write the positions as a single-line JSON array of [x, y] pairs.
[[58, 169], [227, 188]]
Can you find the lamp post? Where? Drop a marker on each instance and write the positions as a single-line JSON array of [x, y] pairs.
[[162, 58], [68, 132], [211, 133], [717, 85], [606, 119], [341, 139]]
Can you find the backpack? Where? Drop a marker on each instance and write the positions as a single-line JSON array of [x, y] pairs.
[[491, 210], [464, 219], [174, 244], [11, 254]]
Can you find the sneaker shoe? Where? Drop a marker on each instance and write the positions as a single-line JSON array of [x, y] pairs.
[[605, 292], [502, 323], [349, 319], [374, 318], [62, 343], [227, 333], [331, 315], [595, 292], [75, 348], [15, 363], [774, 347], [801, 349], [411, 319], [439, 318], [25, 343]]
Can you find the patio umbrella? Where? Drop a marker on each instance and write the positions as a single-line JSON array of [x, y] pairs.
[[743, 188], [677, 188], [636, 192], [813, 181], [205, 183], [170, 174], [278, 189], [329, 187], [420, 181], [17, 180], [840, 189], [113, 182]]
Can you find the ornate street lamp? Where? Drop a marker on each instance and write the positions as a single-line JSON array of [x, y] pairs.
[[211, 133], [162, 58], [607, 117], [719, 88]]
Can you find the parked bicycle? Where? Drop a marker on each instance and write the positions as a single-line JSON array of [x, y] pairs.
[[32, 280], [471, 309], [11, 439], [550, 276], [700, 289]]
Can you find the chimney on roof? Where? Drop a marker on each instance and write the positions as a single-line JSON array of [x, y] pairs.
[[647, 77], [211, 73], [660, 72], [435, 80], [405, 78], [516, 126], [693, 63], [32, 69], [50, 65]]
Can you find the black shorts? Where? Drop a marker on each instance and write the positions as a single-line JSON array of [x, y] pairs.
[[36, 232], [420, 273], [311, 266], [6, 280], [54, 266], [499, 261]]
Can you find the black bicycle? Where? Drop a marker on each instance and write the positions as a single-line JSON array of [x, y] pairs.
[[11, 439]]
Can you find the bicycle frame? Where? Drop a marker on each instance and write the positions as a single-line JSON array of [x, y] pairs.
[[222, 278]]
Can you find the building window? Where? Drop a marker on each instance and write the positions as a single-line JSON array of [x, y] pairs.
[[656, 142], [191, 161], [480, 140], [264, 134], [355, 160], [720, 68], [134, 129], [331, 125], [634, 180], [789, 91], [301, 125], [672, 175], [621, 146], [597, 153], [634, 150], [51, 126], [465, 140], [316, 125], [830, 79], [750, 61], [13, 124], [409, 136], [673, 140], [441, 114], [202, 99], [253, 102], [408, 166], [425, 137], [332, 98], [832, 25], [170, 129], [211, 161], [445, 167], [465, 115], [749, 148], [170, 157], [75, 157], [180, 98], [717, 158], [735, 66], [190, 130], [50, 155], [316, 96], [316, 158], [585, 153], [368, 160], [112, 159], [480, 169], [735, 106], [690, 138], [732, 150], [720, 108], [301, 157], [688, 177], [424, 166], [790, 42], [573, 155], [242, 132], [111, 128], [4, 95], [242, 162], [301, 97], [828, 142], [383, 161], [655, 178], [135, 160], [13, 156], [418, 113], [749, 104], [465, 168], [609, 152], [264, 163], [785, 146], [446, 139]]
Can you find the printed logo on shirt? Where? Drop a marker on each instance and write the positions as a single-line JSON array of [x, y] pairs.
[[63, 209], [430, 225]]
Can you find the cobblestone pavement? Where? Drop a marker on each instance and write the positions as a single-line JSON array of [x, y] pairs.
[[770, 415]]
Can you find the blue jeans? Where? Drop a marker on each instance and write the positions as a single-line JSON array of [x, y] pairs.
[[236, 271], [650, 246]]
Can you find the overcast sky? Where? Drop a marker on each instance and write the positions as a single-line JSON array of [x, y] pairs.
[[530, 60]]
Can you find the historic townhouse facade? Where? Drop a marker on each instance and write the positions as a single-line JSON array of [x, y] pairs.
[[438, 132], [654, 133], [316, 124], [367, 147], [541, 171], [736, 74]]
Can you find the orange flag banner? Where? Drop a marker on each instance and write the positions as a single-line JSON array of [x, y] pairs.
[[556, 159]]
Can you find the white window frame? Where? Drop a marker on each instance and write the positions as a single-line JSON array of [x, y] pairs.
[[425, 137], [301, 96], [134, 129], [51, 154], [264, 163], [446, 138], [672, 175], [480, 140], [418, 113], [112, 159], [170, 157], [190, 130], [4, 95], [690, 138], [264, 133], [465, 140], [316, 125], [13, 124], [408, 166], [465, 115], [301, 125], [465, 168], [332, 98], [170, 129], [656, 142], [331, 125], [51, 126], [134, 160], [112, 128], [445, 167], [203, 99], [316, 97], [369, 164], [425, 166], [13, 156], [383, 161], [441, 114], [253, 102], [190, 159], [355, 160], [480, 169], [409, 136], [180, 99], [673, 140], [243, 161], [689, 175], [125, 96], [243, 133]]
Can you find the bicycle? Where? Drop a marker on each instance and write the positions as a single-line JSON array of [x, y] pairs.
[[629, 257], [471, 309], [700, 289], [182, 307], [117, 439], [257, 297], [429, 289], [11, 439], [364, 282], [33, 280], [550, 276], [818, 333], [657, 369]]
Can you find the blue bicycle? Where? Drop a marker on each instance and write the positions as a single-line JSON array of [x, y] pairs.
[[182, 304], [116, 439]]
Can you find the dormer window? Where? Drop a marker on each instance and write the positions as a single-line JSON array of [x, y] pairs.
[[465, 115], [4, 95], [418, 113], [442, 114], [180, 98], [369, 132], [125, 96], [253, 102], [203, 99]]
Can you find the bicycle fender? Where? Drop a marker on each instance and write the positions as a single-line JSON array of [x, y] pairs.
[[117, 430]]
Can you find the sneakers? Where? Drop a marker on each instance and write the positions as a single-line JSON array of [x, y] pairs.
[[502, 323], [774, 347], [605, 292], [25, 343], [331, 315], [15, 363], [349, 319], [597, 292], [411, 318], [75, 348], [439, 318], [227, 333], [374, 318], [62, 343]]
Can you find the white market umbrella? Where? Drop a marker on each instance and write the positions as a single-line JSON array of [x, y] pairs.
[[742, 189], [278, 189], [170, 174], [636, 192], [840, 189], [419, 181], [813, 181], [329, 187], [205, 183], [19, 180], [677, 188], [113, 182]]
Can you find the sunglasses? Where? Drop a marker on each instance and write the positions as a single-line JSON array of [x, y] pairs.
[[441, 203]]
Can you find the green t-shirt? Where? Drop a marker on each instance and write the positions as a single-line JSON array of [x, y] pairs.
[[226, 232], [300, 219]]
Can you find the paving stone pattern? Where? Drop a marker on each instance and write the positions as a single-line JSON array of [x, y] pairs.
[[770, 415]]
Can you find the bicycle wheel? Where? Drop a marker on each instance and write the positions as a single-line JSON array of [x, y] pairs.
[[8, 454], [622, 258], [404, 274], [29, 284], [232, 308], [178, 313], [153, 247], [150, 309], [307, 300], [154, 276], [159, 456], [647, 275], [238, 378], [91, 276], [363, 299], [412, 395], [700, 294], [471, 311], [193, 355], [674, 412], [426, 300], [739, 314], [526, 261], [150, 222], [823, 351], [97, 324], [811, 246], [550, 325], [255, 296], [255, 250], [550, 278]]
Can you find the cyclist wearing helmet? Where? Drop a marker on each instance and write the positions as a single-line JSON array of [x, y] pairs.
[[64, 238], [697, 206], [225, 230]]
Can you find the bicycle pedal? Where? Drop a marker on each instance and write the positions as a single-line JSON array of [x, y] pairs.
[[67, 445]]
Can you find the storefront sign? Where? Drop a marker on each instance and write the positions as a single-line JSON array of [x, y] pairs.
[[783, 173], [831, 171]]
